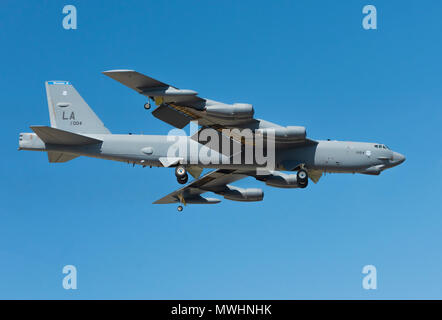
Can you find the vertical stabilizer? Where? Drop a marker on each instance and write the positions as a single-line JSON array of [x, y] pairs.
[[68, 111]]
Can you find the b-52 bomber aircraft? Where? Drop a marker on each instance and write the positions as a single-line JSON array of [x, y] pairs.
[[77, 131]]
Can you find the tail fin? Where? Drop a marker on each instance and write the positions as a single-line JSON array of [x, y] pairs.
[[68, 111]]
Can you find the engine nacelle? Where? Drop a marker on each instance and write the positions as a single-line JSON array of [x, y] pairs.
[[201, 200], [241, 194], [236, 110], [291, 132], [282, 180]]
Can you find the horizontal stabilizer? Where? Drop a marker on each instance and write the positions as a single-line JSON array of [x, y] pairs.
[[56, 136]]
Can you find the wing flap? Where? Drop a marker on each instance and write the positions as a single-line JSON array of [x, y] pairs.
[[171, 116]]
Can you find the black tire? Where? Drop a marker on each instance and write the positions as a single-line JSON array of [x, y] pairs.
[[183, 180], [302, 178], [180, 172], [180, 208], [147, 106]]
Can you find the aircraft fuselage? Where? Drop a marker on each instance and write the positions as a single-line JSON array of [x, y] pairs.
[[149, 150]]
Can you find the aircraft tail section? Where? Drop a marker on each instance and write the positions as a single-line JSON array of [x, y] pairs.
[[68, 111], [61, 137], [54, 136]]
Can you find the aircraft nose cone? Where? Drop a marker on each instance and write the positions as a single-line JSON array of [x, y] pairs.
[[398, 158]]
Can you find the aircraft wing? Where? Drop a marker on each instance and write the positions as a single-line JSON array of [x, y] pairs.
[[178, 107], [213, 181]]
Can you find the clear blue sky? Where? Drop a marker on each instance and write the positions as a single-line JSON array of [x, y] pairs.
[[299, 63]]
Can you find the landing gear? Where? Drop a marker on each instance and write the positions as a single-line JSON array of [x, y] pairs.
[[183, 180], [302, 178], [180, 172], [147, 105], [180, 208], [181, 175]]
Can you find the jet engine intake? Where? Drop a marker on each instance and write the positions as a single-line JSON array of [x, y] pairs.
[[282, 180]]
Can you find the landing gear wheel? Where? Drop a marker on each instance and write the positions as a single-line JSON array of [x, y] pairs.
[[183, 180], [180, 208], [147, 105], [302, 178], [180, 172]]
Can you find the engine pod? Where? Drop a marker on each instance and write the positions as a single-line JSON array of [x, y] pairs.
[[241, 194], [236, 110], [282, 180], [291, 132]]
